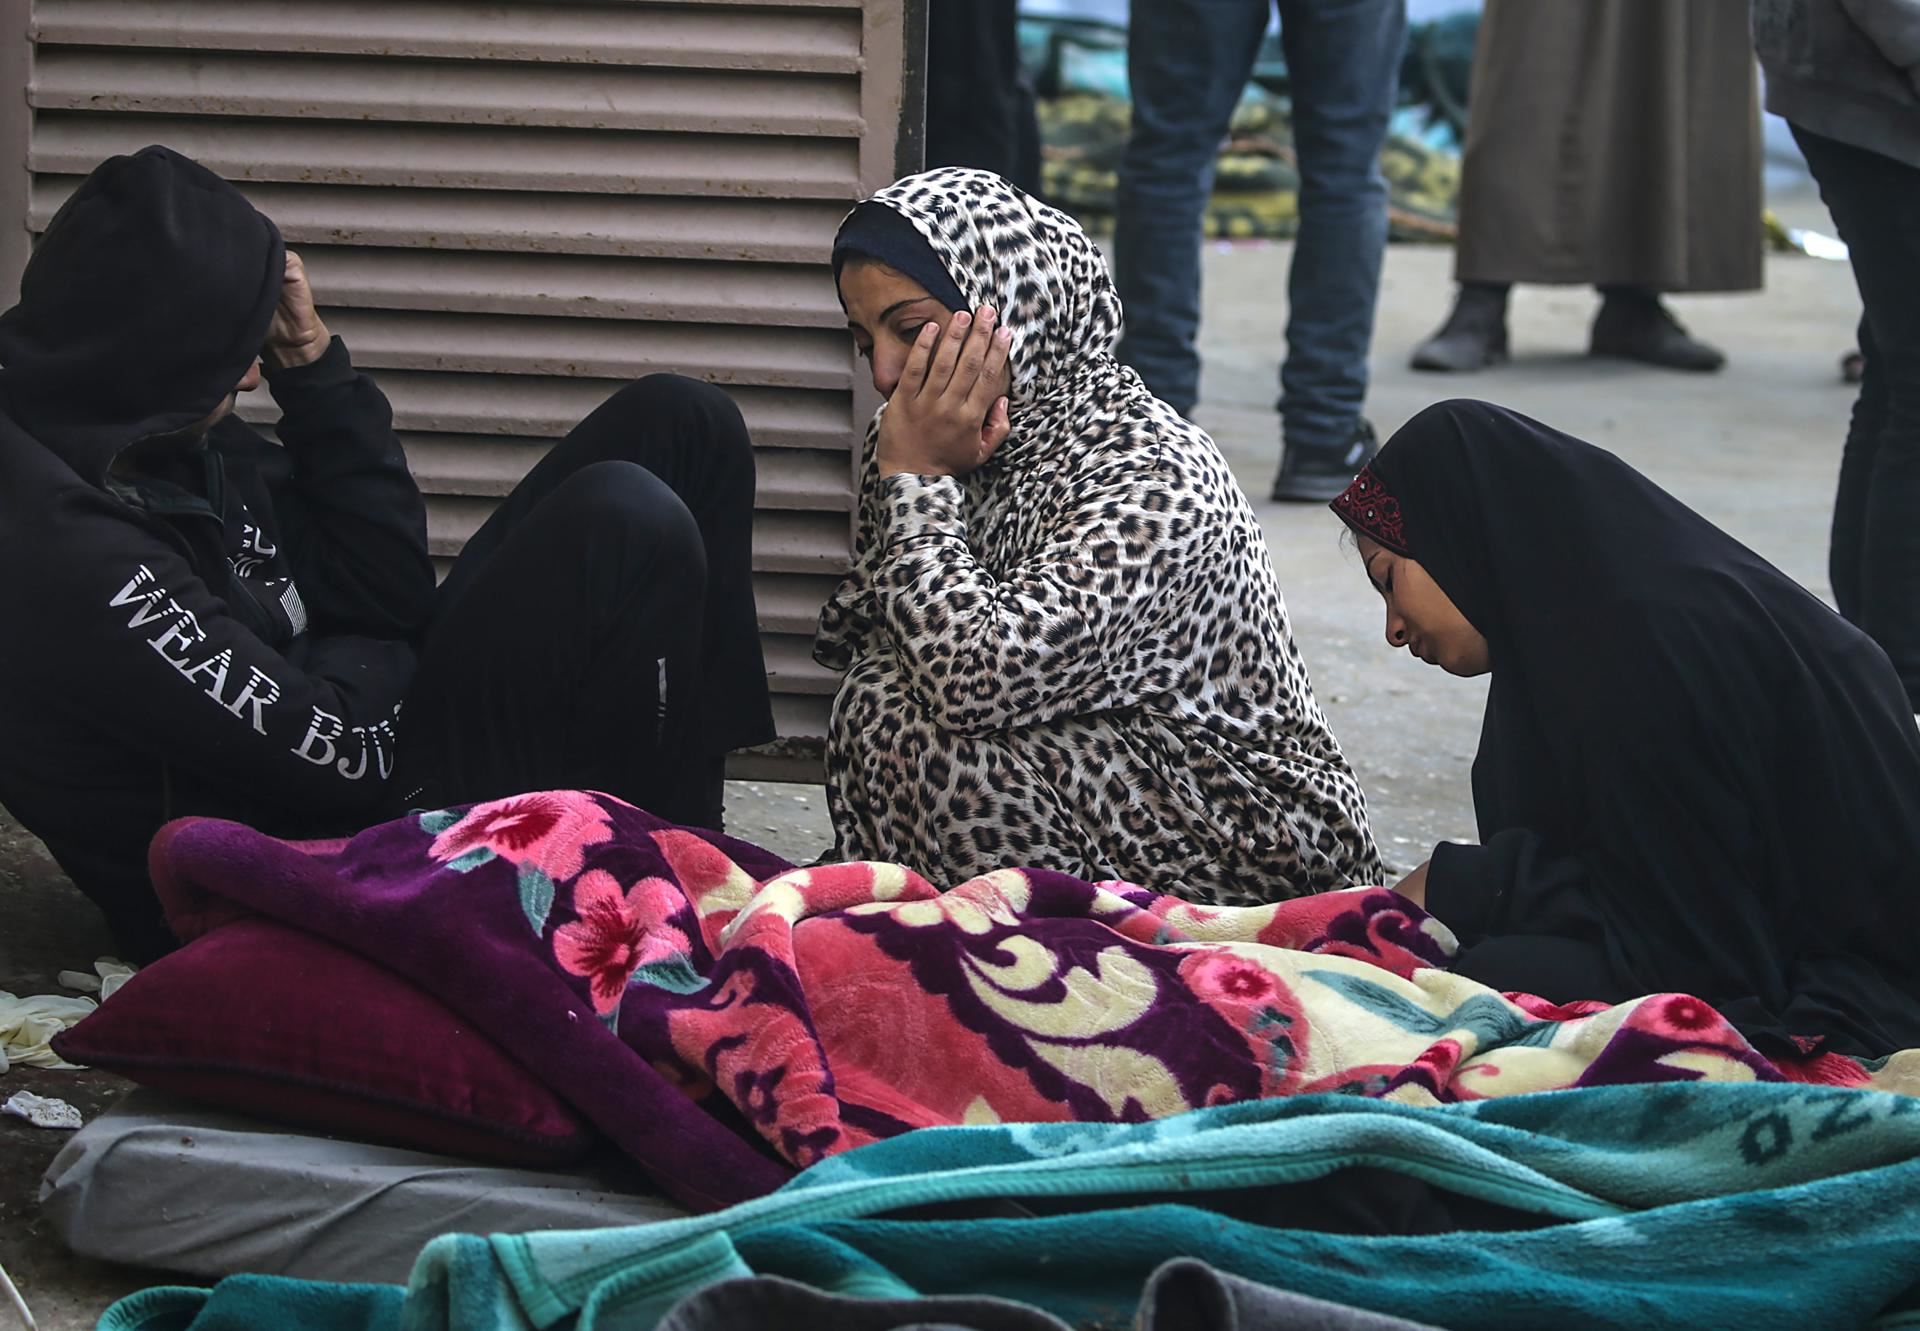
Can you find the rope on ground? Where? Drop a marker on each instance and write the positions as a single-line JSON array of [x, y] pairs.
[[20, 1308]]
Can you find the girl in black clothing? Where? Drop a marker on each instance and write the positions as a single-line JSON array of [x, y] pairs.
[[1693, 776]]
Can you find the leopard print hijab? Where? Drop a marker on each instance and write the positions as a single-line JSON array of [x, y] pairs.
[[1076, 656], [1070, 393]]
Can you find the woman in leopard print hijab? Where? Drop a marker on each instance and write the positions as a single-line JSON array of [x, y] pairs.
[[1072, 654]]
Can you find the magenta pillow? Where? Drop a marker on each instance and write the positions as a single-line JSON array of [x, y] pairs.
[[270, 1021]]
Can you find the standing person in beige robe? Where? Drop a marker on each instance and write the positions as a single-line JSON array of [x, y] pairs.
[[1611, 142]]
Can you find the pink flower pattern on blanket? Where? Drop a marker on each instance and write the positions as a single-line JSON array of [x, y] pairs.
[[1259, 1005], [817, 1009], [615, 934], [551, 831]]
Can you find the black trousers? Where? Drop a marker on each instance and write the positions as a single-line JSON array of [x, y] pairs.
[[599, 630], [980, 105], [1874, 559]]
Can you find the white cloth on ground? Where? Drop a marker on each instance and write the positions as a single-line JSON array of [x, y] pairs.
[[27, 1024], [43, 1111]]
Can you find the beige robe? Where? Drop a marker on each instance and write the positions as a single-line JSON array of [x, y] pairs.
[[1613, 142]]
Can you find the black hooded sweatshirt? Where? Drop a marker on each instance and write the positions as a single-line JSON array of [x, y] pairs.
[[223, 626]]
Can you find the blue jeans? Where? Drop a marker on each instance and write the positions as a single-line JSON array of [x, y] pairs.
[[1189, 61]]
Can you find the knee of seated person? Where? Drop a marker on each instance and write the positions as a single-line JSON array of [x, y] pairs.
[[658, 395], [624, 499], [700, 406]]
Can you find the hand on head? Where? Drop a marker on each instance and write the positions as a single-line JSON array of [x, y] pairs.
[[296, 336]]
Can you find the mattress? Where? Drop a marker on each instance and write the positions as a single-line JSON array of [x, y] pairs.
[[164, 1183]]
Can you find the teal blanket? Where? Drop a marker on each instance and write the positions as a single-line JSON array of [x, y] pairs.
[[1762, 1205]]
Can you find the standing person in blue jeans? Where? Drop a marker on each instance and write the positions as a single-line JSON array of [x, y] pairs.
[[1845, 74], [1189, 61]]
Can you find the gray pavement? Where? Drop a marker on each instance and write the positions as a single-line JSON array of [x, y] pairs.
[[1755, 447]]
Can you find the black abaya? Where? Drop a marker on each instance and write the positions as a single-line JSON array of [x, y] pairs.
[[1693, 775]]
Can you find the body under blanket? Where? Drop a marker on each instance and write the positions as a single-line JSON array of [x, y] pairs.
[[1766, 1206], [726, 1018]]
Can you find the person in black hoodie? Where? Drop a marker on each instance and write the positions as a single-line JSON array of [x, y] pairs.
[[201, 621]]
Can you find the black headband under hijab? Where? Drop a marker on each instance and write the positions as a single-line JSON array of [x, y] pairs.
[[875, 231]]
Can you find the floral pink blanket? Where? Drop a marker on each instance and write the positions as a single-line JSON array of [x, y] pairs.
[[726, 1018]]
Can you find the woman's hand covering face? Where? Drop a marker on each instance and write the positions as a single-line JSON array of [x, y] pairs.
[[948, 413]]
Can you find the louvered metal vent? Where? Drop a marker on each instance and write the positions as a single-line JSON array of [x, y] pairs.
[[510, 209]]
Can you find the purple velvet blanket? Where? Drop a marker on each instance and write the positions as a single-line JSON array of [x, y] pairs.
[[726, 1018]]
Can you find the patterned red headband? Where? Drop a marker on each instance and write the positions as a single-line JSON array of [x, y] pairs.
[[1369, 508]]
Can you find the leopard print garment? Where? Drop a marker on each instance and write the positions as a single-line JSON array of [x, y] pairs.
[[1076, 657]]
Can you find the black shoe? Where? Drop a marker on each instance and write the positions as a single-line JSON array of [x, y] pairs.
[[1319, 475], [1473, 337], [1636, 326]]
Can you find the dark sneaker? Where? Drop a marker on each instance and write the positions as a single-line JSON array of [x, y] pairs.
[[1318, 475], [1473, 337], [1639, 327]]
